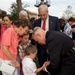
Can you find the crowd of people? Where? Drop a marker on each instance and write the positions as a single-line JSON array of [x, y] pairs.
[[48, 39]]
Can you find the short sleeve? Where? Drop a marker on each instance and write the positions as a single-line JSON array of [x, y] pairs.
[[6, 37]]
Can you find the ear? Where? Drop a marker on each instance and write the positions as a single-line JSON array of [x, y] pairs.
[[11, 22], [38, 35]]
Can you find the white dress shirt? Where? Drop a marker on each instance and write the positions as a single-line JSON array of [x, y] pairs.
[[47, 23]]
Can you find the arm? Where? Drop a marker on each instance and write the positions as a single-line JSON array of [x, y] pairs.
[[55, 56], [20, 49], [21, 57], [41, 68], [6, 43], [8, 54]]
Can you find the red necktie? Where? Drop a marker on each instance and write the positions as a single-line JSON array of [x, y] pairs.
[[44, 25]]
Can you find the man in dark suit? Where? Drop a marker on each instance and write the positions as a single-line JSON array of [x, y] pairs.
[[61, 50], [51, 24]]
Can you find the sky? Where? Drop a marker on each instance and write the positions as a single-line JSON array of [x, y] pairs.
[[56, 9]]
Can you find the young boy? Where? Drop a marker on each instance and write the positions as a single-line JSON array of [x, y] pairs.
[[21, 48], [23, 44], [28, 65]]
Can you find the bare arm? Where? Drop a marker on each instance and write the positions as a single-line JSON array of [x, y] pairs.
[[21, 58], [8, 54], [41, 68]]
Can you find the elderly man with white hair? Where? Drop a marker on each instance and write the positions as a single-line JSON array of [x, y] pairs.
[[23, 14], [47, 23], [61, 51]]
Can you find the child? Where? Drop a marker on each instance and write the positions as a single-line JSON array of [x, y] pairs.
[[23, 44], [21, 48], [28, 65]]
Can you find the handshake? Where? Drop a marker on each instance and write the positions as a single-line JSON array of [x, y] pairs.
[[45, 65]]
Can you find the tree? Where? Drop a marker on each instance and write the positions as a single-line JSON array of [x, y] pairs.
[[2, 13], [14, 11], [16, 8], [68, 13], [19, 5]]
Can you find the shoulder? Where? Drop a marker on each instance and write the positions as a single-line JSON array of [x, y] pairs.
[[66, 25], [9, 29], [8, 32], [53, 17], [38, 20]]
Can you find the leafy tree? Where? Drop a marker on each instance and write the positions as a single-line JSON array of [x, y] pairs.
[[19, 5], [14, 10], [2, 13], [68, 13]]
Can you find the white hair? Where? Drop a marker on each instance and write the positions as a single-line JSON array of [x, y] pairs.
[[43, 6], [36, 30], [23, 13]]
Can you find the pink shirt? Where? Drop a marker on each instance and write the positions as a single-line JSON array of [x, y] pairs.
[[3, 28], [9, 38]]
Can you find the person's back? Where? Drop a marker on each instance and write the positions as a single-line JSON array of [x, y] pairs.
[[61, 50], [66, 43], [62, 46], [29, 67]]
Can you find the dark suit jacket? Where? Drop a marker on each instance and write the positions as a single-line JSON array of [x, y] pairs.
[[59, 46], [53, 26], [53, 23]]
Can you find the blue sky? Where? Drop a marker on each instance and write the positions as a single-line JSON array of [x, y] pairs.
[[56, 8]]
